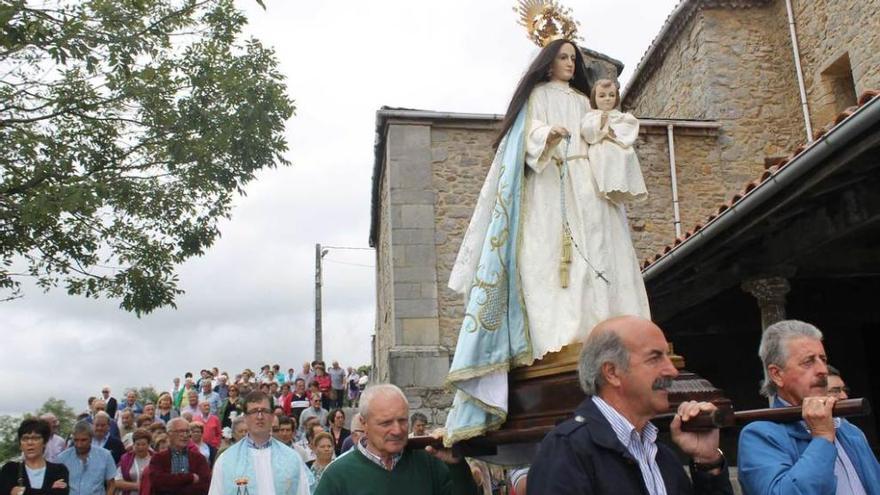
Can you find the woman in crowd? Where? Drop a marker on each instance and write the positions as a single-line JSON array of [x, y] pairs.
[[324, 385], [337, 429], [196, 431], [160, 442], [285, 399], [233, 404], [132, 465], [33, 474], [165, 411], [322, 446]]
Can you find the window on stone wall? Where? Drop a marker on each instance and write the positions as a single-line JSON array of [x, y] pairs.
[[840, 89]]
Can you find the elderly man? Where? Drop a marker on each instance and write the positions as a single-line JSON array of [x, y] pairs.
[[337, 383], [179, 470], [820, 454], [126, 425], [192, 404], [260, 464], [103, 438], [380, 464], [610, 447], [222, 388], [315, 411], [91, 469], [208, 394], [306, 374], [131, 403], [56, 443], [98, 406], [111, 401]]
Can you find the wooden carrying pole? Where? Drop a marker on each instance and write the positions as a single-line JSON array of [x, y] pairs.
[[721, 418]]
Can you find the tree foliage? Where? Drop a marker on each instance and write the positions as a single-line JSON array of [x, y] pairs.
[[127, 127], [9, 446], [65, 414], [148, 394]]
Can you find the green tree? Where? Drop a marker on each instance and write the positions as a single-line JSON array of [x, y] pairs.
[[127, 128], [9, 447], [148, 394], [65, 414]]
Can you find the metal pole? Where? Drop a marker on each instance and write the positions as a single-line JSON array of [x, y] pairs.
[[800, 73], [676, 215], [318, 343]]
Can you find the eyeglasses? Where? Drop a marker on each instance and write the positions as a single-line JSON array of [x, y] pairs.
[[261, 411]]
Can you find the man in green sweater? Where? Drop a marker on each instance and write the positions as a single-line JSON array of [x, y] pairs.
[[379, 463]]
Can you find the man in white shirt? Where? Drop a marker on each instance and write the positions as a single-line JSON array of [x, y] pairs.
[[258, 463]]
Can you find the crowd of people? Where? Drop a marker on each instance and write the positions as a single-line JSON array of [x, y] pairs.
[[608, 446]]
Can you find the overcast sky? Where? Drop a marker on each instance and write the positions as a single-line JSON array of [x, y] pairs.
[[250, 299]]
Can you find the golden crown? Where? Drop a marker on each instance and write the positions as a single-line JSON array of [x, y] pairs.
[[546, 21]]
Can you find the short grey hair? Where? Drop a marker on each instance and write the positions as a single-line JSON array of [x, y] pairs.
[[238, 420], [170, 425], [375, 390], [606, 347], [83, 428], [101, 414], [774, 347]]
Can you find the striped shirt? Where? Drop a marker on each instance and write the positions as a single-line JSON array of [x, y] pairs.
[[362, 447], [642, 447]]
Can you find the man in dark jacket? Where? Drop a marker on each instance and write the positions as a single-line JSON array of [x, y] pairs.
[[103, 438], [179, 470], [609, 447]]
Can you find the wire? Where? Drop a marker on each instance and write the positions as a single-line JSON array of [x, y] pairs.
[[350, 264], [348, 247]]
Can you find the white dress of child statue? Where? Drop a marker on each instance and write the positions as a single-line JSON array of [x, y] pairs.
[[558, 316], [611, 135]]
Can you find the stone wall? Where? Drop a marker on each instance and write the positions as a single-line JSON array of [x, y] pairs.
[[696, 155], [837, 30], [732, 66], [384, 287], [461, 160]]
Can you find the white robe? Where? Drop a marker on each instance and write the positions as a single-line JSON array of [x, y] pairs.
[[613, 158], [560, 316]]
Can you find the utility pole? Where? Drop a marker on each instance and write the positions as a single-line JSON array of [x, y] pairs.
[[319, 255]]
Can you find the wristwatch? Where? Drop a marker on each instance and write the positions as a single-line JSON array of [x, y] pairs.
[[704, 467]]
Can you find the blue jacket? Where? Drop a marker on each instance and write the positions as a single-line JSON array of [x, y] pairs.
[[582, 456], [783, 458]]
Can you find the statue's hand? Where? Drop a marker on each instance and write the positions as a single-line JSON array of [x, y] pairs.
[[556, 134]]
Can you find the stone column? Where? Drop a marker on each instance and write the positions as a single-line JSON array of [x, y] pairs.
[[416, 358], [770, 293]]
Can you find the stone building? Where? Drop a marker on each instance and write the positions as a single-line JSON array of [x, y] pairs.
[[718, 98]]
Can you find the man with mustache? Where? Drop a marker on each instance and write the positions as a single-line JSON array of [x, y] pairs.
[[609, 447], [379, 464], [820, 454]]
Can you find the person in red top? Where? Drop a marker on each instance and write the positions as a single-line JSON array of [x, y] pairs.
[[285, 398], [324, 385], [212, 433], [179, 470]]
